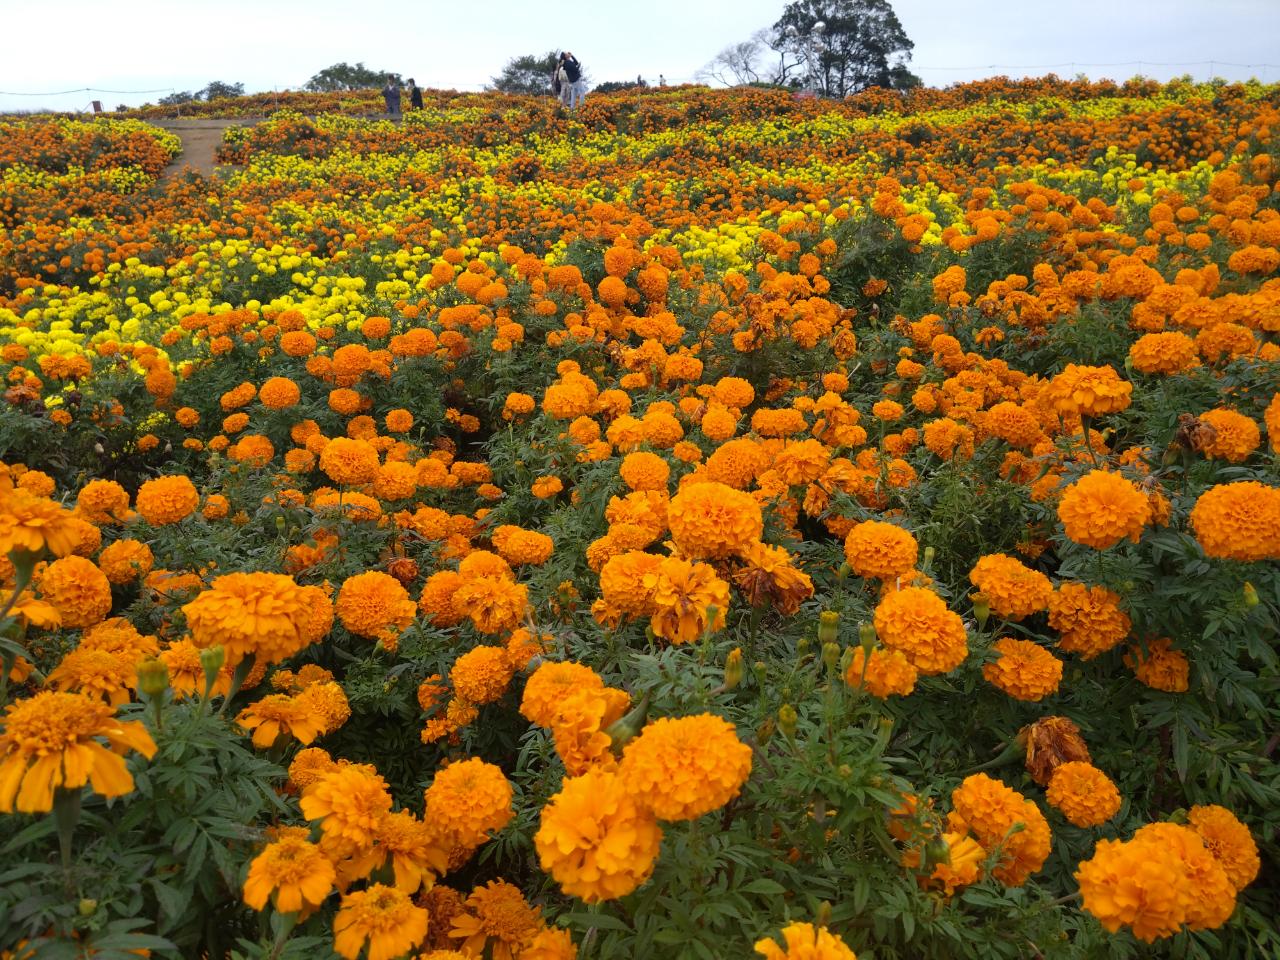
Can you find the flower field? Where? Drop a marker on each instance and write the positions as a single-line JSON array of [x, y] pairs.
[[715, 524]]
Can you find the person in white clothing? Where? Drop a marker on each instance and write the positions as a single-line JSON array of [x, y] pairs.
[[573, 86]]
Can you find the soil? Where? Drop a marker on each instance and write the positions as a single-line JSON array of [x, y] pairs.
[[200, 141]]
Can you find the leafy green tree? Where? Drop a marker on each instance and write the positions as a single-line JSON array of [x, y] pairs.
[[216, 90], [529, 74], [344, 76], [844, 46], [176, 98]]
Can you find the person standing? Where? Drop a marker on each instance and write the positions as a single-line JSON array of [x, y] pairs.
[[573, 80], [415, 96], [391, 97]]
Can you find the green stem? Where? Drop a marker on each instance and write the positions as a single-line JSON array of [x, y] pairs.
[[66, 814]]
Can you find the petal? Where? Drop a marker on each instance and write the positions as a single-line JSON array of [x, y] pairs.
[[109, 776], [36, 795]]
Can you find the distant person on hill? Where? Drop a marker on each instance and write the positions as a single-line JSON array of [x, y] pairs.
[[415, 96], [391, 96], [573, 87]]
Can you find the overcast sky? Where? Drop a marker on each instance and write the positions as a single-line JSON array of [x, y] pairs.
[[267, 44]]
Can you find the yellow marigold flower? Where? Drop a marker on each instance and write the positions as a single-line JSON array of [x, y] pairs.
[[988, 809], [481, 675], [683, 595], [102, 502], [1160, 666], [887, 673], [292, 873], [99, 673], [682, 768], [79, 591], [1024, 669], [414, 848], [35, 524], [917, 622], [883, 550], [125, 561], [711, 520], [350, 803], [382, 917], [167, 500], [595, 839], [1239, 521], [278, 714], [349, 462], [1012, 589], [1102, 508], [260, 614], [550, 684], [551, 944], [546, 487], [493, 604], [327, 702], [186, 674], [374, 605], [468, 801], [1089, 619], [1230, 842], [1091, 391], [48, 741], [804, 941], [1085, 795], [308, 766], [497, 922]]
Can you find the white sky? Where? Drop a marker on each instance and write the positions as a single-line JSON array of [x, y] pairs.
[[266, 44]]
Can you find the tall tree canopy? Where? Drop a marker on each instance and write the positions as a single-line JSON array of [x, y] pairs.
[[528, 74], [860, 44], [344, 76]]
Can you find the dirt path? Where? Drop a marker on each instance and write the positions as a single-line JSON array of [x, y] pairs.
[[200, 141]]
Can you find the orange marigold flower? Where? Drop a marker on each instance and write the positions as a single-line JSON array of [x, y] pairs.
[[1012, 589], [1085, 795], [1164, 353], [595, 839], [1229, 841], [1239, 521], [102, 502], [681, 768], [78, 590], [1024, 670], [279, 393], [126, 560], [1159, 667], [989, 809], [1102, 508], [550, 684], [497, 922], [437, 600], [166, 500], [468, 801], [645, 471], [520, 546], [349, 462], [886, 673], [768, 576], [98, 673], [1235, 436], [382, 917], [49, 741], [292, 873], [350, 802], [804, 941], [374, 605], [712, 520], [917, 622], [683, 596], [1088, 619], [883, 550], [264, 615], [493, 604], [482, 675], [1091, 391]]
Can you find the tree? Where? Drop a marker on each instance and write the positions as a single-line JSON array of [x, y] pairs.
[[217, 90], [344, 76], [175, 99], [736, 64], [529, 74], [844, 46]]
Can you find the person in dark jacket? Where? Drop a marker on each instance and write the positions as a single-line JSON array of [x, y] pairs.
[[391, 97], [573, 86], [415, 96]]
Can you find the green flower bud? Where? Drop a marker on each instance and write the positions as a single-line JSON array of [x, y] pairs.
[[831, 655], [211, 661], [1250, 595], [153, 677], [733, 669], [981, 609], [787, 720], [828, 626]]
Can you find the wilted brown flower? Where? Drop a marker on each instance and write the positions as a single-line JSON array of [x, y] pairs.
[[1050, 742]]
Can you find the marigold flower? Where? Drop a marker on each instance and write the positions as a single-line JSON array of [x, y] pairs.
[[1024, 670], [1164, 353], [877, 549], [804, 941], [989, 809], [103, 502], [279, 393], [125, 561], [1085, 795], [1049, 743], [1230, 842], [382, 917], [167, 500], [917, 622], [682, 768], [493, 604], [35, 524], [78, 590], [349, 462], [1091, 391], [595, 839], [350, 802], [48, 742], [265, 615], [711, 520], [99, 673], [767, 576], [1088, 619], [886, 673], [482, 674], [468, 801], [519, 546], [682, 598], [1159, 667], [1239, 521], [497, 922], [1102, 508], [550, 684], [290, 872], [1012, 589], [644, 471], [375, 605], [414, 849]]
